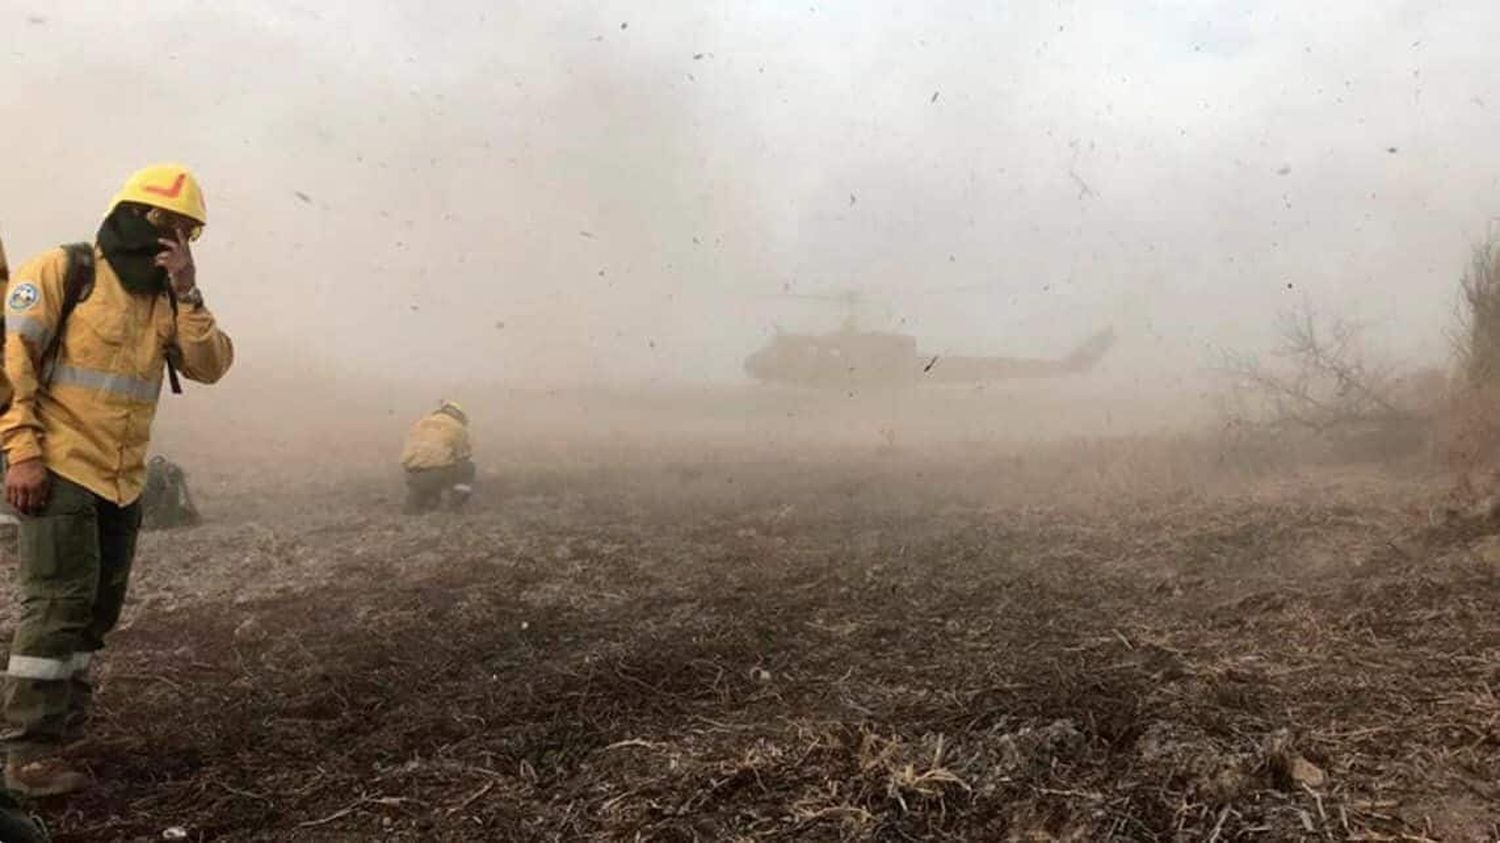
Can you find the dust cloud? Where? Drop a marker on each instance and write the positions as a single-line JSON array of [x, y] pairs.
[[1103, 602], [589, 214]]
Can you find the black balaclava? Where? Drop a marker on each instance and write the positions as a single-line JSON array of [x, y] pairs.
[[130, 245]]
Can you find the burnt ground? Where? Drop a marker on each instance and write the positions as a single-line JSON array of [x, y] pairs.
[[882, 648]]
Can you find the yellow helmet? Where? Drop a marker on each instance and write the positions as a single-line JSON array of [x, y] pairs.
[[170, 187], [453, 409]]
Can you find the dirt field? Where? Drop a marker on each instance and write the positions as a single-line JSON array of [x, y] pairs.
[[1112, 639]]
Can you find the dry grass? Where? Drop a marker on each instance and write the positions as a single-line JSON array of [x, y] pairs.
[[1478, 346], [1470, 431], [1133, 640]]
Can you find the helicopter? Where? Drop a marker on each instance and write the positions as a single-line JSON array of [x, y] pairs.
[[853, 356]]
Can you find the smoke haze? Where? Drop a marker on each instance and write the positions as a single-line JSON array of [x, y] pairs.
[[436, 197]]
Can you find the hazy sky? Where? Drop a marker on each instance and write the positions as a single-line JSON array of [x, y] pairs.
[[571, 191]]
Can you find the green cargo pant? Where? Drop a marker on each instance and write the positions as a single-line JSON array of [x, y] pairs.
[[429, 488], [74, 568]]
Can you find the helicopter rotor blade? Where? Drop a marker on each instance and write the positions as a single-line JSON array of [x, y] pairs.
[[808, 297]]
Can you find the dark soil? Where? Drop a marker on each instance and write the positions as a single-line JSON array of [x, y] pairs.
[[882, 651]]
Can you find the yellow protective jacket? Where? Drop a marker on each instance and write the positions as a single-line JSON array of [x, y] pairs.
[[4, 280], [436, 441], [91, 419]]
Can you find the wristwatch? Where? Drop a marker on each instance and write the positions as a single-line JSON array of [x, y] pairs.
[[192, 297]]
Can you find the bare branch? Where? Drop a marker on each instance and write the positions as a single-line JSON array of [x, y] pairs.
[[1323, 379]]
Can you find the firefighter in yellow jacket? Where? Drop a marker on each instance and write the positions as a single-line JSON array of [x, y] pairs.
[[75, 434], [438, 460]]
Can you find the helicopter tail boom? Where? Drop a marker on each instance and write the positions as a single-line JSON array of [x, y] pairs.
[[975, 369]]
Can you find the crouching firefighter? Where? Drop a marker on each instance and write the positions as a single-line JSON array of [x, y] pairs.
[[90, 329], [438, 460]]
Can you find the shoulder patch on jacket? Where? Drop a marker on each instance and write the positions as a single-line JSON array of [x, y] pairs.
[[22, 298]]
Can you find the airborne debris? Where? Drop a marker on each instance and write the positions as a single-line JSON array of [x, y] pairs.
[[950, 661]]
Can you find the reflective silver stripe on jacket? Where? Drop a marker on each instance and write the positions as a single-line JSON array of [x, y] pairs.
[[29, 327], [138, 389]]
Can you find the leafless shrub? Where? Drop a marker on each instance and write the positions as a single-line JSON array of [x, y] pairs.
[[1324, 388], [1322, 378], [1471, 432], [1478, 341]]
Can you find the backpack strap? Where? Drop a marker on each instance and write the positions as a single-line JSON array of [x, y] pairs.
[[172, 379], [78, 283]]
